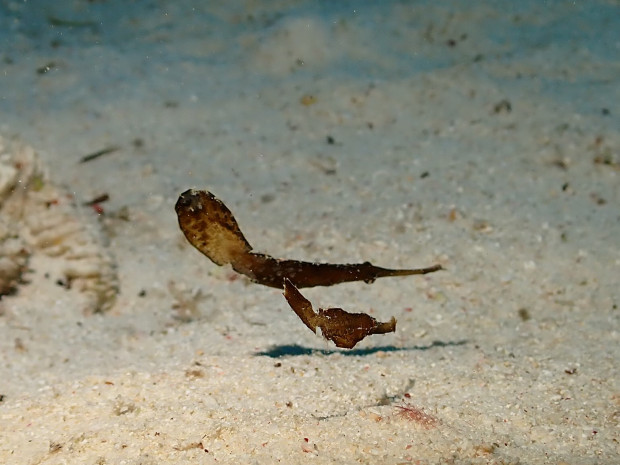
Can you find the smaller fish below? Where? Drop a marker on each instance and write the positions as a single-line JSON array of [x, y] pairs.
[[343, 328]]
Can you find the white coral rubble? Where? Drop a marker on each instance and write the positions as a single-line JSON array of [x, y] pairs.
[[36, 217]]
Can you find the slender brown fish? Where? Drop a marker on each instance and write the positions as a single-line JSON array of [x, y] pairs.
[[210, 227], [337, 325]]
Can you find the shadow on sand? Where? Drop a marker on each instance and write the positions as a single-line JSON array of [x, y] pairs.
[[294, 350]]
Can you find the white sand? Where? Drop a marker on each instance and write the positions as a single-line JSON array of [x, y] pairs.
[[511, 353]]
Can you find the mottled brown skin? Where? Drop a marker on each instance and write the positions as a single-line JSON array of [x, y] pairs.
[[337, 325], [210, 227]]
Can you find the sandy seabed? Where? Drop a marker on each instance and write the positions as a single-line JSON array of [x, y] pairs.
[[479, 135]]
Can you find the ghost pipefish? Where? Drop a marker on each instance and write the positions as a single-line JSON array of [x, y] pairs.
[[345, 329], [212, 229]]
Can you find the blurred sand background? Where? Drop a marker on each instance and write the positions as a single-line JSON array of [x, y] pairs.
[[481, 135]]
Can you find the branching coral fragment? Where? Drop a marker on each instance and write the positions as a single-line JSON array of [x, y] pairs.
[[39, 219], [337, 325]]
